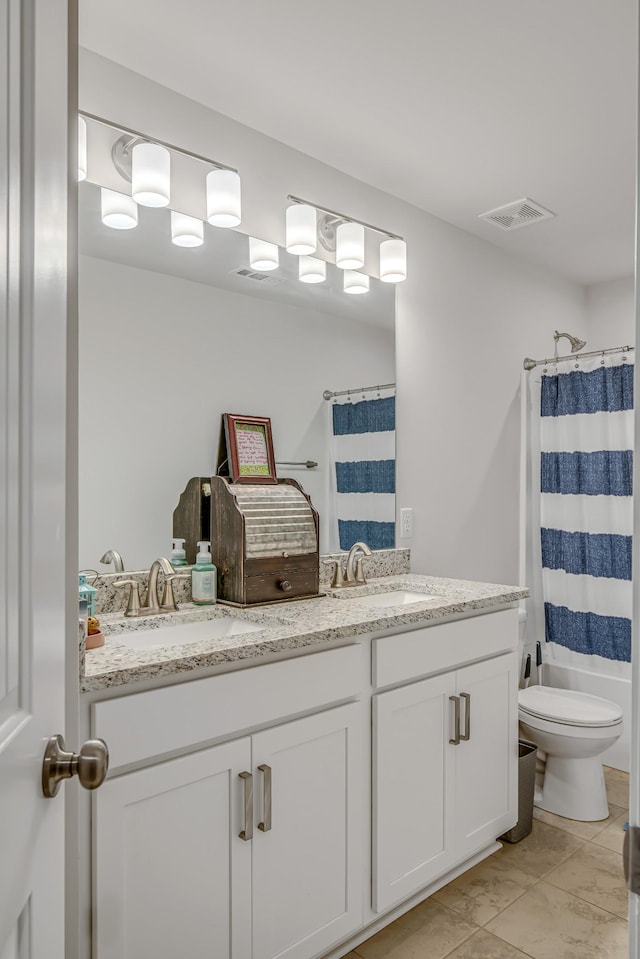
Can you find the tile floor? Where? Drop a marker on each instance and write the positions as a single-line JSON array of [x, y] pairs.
[[558, 894]]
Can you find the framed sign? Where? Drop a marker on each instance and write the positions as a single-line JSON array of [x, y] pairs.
[[249, 448]]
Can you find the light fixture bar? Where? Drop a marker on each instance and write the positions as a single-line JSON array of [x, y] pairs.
[[343, 216], [135, 134]]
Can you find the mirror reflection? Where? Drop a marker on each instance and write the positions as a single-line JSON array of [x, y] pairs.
[[171, 338]]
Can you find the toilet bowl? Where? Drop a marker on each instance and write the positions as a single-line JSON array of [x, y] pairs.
[[573, 729]]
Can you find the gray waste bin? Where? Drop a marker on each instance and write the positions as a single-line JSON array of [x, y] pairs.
[[526, 783]]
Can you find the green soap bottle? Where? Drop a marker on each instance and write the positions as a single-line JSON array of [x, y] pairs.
[[178, 555], [204, 577]]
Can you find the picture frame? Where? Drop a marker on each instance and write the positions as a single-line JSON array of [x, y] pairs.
[[249, 442]]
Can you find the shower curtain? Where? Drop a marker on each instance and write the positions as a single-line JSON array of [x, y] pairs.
[[581, 519], [363, 471]]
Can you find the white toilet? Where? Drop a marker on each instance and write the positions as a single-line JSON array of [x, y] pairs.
[[573, 729]]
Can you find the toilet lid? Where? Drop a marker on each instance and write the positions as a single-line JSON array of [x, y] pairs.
[[568, 706]]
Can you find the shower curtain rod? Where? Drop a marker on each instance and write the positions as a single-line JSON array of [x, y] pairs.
[[530, 364], [328, 394]]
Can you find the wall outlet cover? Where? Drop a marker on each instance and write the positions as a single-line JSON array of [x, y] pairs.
[[406, 522]]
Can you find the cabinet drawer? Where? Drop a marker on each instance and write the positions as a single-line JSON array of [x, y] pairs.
[[148, 724], [432, 649], [272, 585]]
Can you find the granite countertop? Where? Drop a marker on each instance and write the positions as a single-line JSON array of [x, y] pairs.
[[340, 614]]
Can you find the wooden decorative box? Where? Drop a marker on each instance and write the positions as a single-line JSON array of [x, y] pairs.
[[264, 538]]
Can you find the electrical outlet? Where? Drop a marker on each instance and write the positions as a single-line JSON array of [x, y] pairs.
[[406, 522]]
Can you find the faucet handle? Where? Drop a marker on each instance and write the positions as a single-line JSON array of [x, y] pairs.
[[168, 599], [133, 605], [338, 576], [359, 574]]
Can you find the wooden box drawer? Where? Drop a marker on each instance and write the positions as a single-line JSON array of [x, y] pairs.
[[283, 584]]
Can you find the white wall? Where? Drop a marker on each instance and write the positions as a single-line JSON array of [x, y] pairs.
[[611, 314], [161, 358], [466, 317]]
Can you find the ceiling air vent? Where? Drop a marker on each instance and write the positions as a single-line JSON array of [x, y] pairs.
[[514, 215], [265, 279]]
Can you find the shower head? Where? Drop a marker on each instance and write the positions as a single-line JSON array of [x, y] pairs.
[[576, 343]]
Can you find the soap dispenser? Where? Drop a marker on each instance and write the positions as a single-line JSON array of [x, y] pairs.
[[178, 555], [203, 577]]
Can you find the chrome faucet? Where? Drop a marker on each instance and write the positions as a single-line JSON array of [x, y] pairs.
[[113, 556], [352, 574], [152, 603]]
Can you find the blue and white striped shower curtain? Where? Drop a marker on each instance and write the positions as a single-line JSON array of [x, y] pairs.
[[586, 512], [363, 471]]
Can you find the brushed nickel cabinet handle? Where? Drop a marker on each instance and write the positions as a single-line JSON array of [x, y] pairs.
[[456, 720], [247, 832], [467, 717], [265, 825]]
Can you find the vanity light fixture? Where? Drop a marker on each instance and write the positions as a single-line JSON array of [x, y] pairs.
[[355, 282], [301, 235], [349, 240], [350, 246], [119, 211], [223, 198], [186, 230], [393, 260], [311, 269], [150, 174], [263, 255], [82, 149]]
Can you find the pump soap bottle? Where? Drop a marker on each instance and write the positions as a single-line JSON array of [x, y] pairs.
[[203, 577], [178, 556]]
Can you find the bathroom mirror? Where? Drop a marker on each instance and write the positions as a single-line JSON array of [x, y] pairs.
[[171, 338]]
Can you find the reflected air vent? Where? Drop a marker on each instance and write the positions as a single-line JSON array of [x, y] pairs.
[[264, 279], [515, 215]]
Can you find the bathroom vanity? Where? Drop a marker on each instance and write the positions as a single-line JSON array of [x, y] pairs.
[[290, 790]]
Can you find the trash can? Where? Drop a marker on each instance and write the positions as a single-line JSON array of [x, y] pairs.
[[526, 782]]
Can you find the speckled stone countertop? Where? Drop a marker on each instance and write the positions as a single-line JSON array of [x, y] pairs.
[[341, 614]]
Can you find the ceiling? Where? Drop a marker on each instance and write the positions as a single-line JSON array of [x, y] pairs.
[[456, 106]]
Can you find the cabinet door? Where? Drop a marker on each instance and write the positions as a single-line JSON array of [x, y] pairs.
[[171, 875], [307, 868], [486, 766], [412, 788]]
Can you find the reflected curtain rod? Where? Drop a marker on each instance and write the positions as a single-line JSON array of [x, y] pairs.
[[328, 394], [529, 364]]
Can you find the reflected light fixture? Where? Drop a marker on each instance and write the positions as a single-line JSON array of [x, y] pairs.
[[186, 230], [223, 198], [150, 174], [119, 211], [311, 269], [301, 236], [263, 255], [355, 282], [350, 246], [393, 260], [82, 149]]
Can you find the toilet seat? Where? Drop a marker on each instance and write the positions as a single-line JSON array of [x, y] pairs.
[[568, 707]]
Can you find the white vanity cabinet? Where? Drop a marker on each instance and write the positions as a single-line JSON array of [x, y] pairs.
[[250, 849], [444, 756]]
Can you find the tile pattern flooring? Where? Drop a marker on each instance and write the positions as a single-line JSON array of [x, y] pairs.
[[558, 894]]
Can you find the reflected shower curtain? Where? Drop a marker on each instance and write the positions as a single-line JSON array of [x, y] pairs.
[[363, 444], [582, 419]]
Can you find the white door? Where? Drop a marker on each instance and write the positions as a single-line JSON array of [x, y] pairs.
[[34, 102], [307, 855], [486, 759], [412, 788], [172, 875]]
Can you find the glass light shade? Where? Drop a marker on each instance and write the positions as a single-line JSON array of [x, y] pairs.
[[82, 149], [355, 282], [301, 231], [311, 269], [119, 211], [150, 174], [393, 261], [263, 255], [186, 230], [223, 198], [350, 246]]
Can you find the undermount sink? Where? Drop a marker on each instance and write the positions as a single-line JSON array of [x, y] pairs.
[[177, 634], [395, 597]]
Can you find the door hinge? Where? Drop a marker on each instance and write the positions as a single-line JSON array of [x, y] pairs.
[[631, 858]]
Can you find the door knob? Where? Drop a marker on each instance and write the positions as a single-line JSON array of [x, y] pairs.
[[90, 765]]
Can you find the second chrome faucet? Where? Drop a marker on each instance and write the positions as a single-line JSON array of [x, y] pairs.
[[352, 573]]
